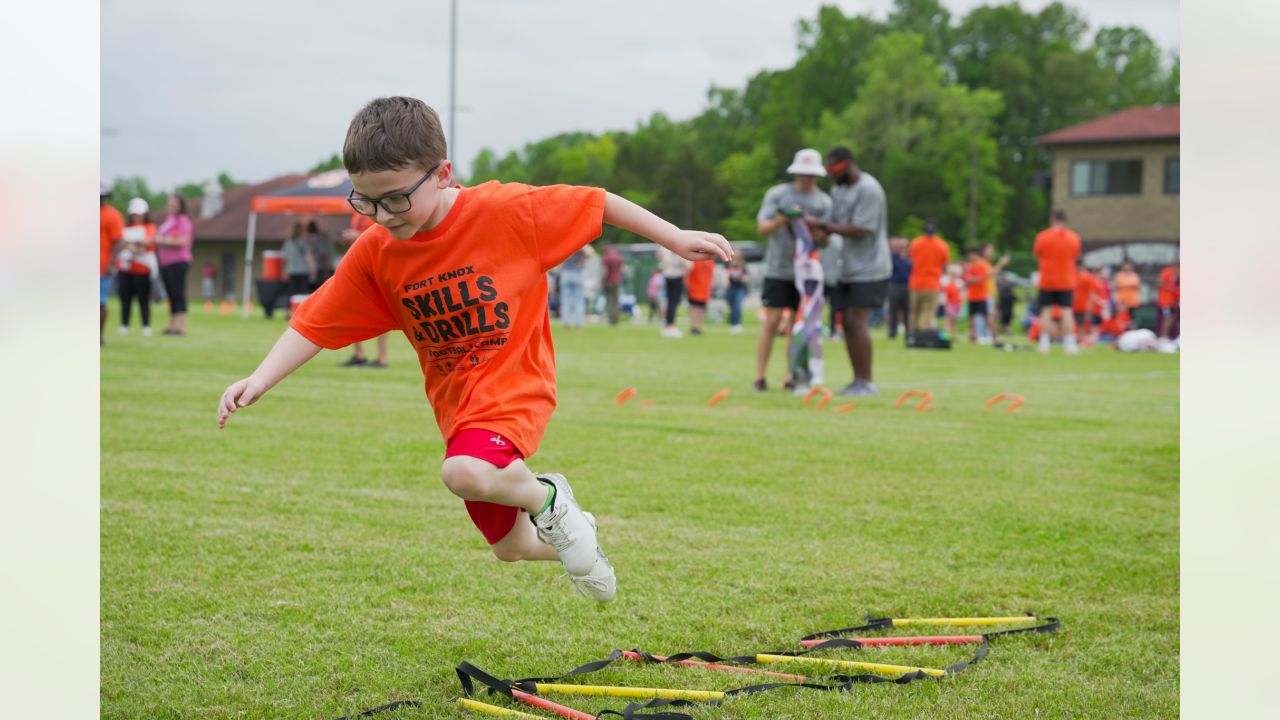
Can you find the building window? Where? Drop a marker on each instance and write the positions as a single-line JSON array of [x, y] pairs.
[[1171, 176], [1106, 177]]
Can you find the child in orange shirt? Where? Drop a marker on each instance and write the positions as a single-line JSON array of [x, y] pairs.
[[953, 291], [463, 273]]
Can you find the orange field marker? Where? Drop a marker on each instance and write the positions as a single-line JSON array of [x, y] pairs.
[[1015, 401], [926, 399], [818, 390], [625, 395], [715, 399], [208, 306], [844, 408], [646, 403]]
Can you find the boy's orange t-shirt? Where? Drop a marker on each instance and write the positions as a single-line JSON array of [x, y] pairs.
[[471, 296], [1057, 249], [1169, 289], [700, 276], [929, 255], [110, 229], [976, 275]]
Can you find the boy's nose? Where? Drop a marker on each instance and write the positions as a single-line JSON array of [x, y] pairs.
[[383, 216]]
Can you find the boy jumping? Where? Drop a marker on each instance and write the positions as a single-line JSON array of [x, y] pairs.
[[462, 272]]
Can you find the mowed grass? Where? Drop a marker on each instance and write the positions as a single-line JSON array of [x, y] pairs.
[[306, 562]]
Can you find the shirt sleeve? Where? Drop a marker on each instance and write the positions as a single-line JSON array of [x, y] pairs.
[[565, 218], [347, 308]]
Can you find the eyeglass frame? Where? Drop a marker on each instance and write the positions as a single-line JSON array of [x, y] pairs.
[[378, 201]]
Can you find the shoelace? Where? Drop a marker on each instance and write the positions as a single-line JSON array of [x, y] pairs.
[[592, 581], [555, 534]]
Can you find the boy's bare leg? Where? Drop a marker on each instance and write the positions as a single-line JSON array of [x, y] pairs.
[[474, 479], [570, 533], [522, 543], [382, 348]]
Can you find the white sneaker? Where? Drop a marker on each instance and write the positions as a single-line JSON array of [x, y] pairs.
[[672, 332], [124, 330], [566, 528], [146, 331], [735, 330], [600, 583]]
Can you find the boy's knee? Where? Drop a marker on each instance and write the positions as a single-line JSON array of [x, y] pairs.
[[466, 477], [507, 553]]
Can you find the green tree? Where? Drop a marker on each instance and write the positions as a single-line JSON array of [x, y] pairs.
[[125, 189], [745, 177], [1046, 80], [226, 182], [334, 162], [928, 142], [928, 19], [1134, 65]]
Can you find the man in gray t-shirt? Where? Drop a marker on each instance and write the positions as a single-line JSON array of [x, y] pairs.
[[860, 215], [779, 275]]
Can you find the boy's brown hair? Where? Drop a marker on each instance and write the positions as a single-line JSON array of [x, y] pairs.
[[392, 133]]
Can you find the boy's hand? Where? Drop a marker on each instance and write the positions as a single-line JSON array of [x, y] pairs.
[[241, 393], [698, 245]]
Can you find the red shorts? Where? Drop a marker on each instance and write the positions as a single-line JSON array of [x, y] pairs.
[[494, 520]]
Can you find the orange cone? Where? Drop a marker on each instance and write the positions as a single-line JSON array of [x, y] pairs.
[[718, 397]]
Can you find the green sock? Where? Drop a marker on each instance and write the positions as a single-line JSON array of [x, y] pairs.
[[551, 497]]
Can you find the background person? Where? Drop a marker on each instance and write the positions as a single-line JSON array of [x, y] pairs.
[[323, 252], [899, 288], [860, 214], [654, 291], [135, 265], [612, 265], [573, 289], [977, 280], [736, 291], [360, 223], [1057, 249], [208, 276], [110, 232], [173, 247], [953, 294], [929, 257], [673, 268], [779, 292], [299, 262], [1169, 300], [699, 280], [1128, 288]]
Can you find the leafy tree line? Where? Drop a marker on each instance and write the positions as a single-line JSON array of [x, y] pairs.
[[944, 113]]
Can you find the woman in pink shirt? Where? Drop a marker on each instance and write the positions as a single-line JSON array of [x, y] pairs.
[[173, 247]]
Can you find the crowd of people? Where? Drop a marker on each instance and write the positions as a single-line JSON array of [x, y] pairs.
[[912, 286], [143, 261]]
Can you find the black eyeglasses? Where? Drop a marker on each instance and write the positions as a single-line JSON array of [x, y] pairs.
[[395, 203]]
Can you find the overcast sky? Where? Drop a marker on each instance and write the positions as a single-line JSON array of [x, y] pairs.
[[262, 88]]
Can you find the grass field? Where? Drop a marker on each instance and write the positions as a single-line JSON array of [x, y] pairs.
[[306, 562]]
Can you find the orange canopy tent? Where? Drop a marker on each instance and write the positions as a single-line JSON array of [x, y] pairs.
[[321, 194]]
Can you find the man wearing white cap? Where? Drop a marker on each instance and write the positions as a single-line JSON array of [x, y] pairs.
[[779, 276]]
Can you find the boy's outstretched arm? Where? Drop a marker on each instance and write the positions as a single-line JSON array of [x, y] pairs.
[[288, 354], [688, 244]]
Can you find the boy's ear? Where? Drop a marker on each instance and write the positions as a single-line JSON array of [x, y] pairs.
[[447, 179]]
